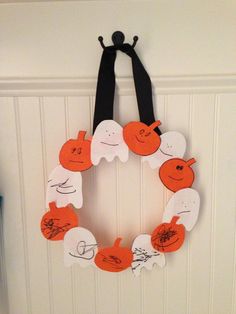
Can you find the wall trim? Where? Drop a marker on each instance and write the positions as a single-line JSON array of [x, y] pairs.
[[125, 86]]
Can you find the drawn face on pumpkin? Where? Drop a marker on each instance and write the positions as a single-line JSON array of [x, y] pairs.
[[115, 258], [144, 255], [173, 144], [185, 203], [177, 174], [56, 222], [168, 237], [75, 153], [108, 143], [80, 246], [64, 187], [141, 138]]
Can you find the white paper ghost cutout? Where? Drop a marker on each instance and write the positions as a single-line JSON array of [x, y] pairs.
[[173, 145], [64, 187], [80, 247], [145, 255], [185, 203], [108, 142]]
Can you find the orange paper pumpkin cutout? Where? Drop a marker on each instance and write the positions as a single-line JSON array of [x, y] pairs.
[[115, 258], [57, 221], [168, 237], [141, 138], [75, 153], [176, 174]]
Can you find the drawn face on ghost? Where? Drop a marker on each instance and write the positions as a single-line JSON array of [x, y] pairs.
[[64, 187], [108, 142], [80, 247], [144, 255], [173, 144], [185, 204]]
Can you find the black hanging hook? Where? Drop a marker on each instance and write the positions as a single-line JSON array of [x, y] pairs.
[[118, 39]]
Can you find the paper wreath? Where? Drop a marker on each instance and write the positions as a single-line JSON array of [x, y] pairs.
[[111, 140]]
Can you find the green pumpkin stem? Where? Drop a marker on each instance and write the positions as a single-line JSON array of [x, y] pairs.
[[81, 135], [117, 242], [155, 124]]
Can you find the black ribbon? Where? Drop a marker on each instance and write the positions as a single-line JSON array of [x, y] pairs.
[[106, 87]]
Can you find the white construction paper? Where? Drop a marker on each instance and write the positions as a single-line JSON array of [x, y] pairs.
[[173, 144], [185, 203], [145, 256], [80, 247], [64, 187], [108, 143]]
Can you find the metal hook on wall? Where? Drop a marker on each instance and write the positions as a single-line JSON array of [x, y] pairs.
[[118, 39]]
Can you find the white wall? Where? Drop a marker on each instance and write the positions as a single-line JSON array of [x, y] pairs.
[[189, 49]]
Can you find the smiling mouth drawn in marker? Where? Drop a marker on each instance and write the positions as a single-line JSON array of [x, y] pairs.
[[165, 153], [139, 139], [176, 178], [109, 144]]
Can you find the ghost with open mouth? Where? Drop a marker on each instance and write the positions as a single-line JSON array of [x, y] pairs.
[[108, 143], [173, 144], [80, 247]]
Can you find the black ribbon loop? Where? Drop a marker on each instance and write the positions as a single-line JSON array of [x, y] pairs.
[[106, 86]]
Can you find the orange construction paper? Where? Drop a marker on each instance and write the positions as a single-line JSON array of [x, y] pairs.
[[115, 258], [176, 173], [75, 153], [57, 221], [168, 237], [141, 138]]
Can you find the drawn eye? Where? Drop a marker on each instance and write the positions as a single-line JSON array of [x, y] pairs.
[[73, 150], [179, 167], [141, 131], [79, 150], [147, 134]]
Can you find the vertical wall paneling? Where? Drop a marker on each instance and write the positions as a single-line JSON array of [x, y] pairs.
[[224, 218], [3, 274], [119, 200], [33, 190], [55, 136], [14, 233], [45, 178], [202, 149]]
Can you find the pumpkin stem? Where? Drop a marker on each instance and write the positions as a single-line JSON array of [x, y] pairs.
[[52, 206], [117, 242], [81, 135], [155, 124], [191, 161], [174, 220]]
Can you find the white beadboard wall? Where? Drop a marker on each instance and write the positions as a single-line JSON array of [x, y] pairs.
[[37, 116], [49, 57]]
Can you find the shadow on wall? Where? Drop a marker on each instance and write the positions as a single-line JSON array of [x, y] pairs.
[[3, 285]]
